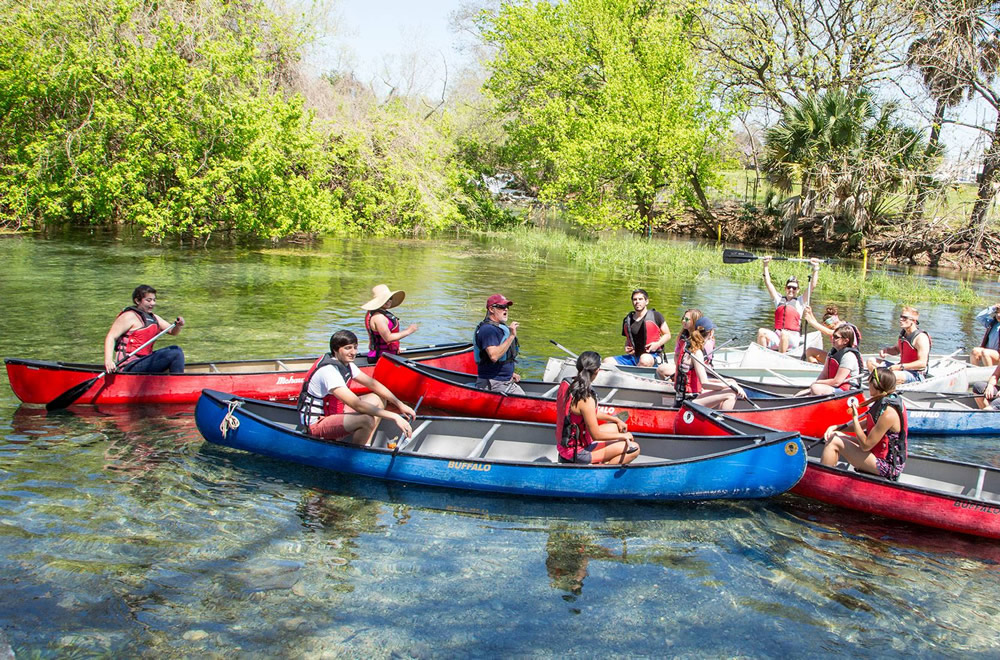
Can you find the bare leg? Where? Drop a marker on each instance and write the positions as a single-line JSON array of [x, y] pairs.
[[362, 426], [783, 341], [666, 371], [719, 399], [762, 337], [815, 355], [646, 360], [616, 452]]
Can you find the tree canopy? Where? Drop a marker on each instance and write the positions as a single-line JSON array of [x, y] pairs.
[[603, 106]]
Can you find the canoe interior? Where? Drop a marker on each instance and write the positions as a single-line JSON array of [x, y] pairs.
[[517, 442], [606, 395], [977, 482]]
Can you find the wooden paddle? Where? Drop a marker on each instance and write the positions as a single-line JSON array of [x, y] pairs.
[[72, 394], [730, 256]]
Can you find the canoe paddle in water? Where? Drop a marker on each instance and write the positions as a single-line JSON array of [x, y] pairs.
[[72, 394], [730, 256]]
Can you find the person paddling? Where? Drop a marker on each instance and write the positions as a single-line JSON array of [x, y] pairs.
[[329, 409], [580, 435], [134, 326], [787, 310], [878, 445], [692, 377], [383, 328]]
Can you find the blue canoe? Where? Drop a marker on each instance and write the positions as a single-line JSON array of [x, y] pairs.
[[515, 457]]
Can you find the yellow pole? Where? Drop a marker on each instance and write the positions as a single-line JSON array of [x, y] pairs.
[[800, 247], [719, 227], [864, 263]]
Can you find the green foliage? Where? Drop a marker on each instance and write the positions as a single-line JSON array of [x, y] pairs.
[[603, 106], [177, 116]]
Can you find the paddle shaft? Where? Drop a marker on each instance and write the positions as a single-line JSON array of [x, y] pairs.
[[396, 444], [75, 392], [743, 257], [563, 348], [848, 424], [715, 373]]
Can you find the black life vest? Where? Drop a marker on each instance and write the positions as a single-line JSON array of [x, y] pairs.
[[312, 408]]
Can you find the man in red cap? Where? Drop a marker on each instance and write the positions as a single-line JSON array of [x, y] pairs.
[[495, 348]]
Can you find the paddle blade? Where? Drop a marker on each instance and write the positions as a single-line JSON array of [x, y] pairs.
[[730, 256], [72, 394]]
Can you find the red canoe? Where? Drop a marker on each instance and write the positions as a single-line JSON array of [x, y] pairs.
[[278, 379], [648, 411], [935, 492]]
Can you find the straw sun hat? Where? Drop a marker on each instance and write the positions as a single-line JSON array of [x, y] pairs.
[[380, 295]]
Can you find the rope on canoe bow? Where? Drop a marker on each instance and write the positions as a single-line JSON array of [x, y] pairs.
[[230, 421]]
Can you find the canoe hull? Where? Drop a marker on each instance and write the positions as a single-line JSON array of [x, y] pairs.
[[37, 382], [441, 391], [761, 470], [934, 492]]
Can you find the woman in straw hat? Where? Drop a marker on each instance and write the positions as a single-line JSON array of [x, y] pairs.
[[383, 328]]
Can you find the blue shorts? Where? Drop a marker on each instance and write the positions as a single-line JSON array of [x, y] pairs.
[[903, 376], [633, 360]]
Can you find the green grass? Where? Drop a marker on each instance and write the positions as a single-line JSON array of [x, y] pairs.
[[629, 255], [954, 202]]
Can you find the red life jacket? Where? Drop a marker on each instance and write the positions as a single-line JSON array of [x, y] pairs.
[[571, 433], [686, 378], [376, 345], [313, 408], [133, 339], [832, 365], [649, 332], [907, 350], [787, 316], [894, 451]]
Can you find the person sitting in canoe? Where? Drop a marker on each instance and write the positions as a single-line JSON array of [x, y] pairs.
[[831, 321], [692, 376], [580, 436], [877, 446], [329, 409], [842, 367], [383, 328], [787, 310], [134, 326], [987, 354], [913, 348], [495, 347], [691, 316], [986, 391], [645, 331]]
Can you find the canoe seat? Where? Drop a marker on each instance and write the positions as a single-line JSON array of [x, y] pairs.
[[214, 369], [281, 366]]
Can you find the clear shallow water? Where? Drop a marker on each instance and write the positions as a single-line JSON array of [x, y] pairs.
[[122, 533]]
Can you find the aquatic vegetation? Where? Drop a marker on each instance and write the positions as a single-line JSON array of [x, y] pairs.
[[627, 254]]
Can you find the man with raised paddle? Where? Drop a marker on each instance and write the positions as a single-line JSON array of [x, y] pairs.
[[133, 328], [788, 309]]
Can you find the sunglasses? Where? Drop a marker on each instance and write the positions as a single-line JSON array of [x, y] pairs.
[[686, 318], [792, 288], [904, 317], [500, 306]]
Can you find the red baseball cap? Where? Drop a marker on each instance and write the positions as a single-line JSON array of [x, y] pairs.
[[497, 299]]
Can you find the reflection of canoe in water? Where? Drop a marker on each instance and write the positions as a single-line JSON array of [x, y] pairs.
[[645, 411], [951, 495], [275, 379], [516, 457]]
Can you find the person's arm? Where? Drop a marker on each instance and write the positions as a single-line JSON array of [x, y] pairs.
[[990, 392], [984, 317], [810, 318], [496, 352], [885, 423], [383, 391], [382, 328], [813, 280], [163, 324], [588, 409], [767, 279], [889, 350], [122, 324], [353, 401]]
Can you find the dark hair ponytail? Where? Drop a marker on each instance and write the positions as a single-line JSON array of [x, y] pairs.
[[580, 389]]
